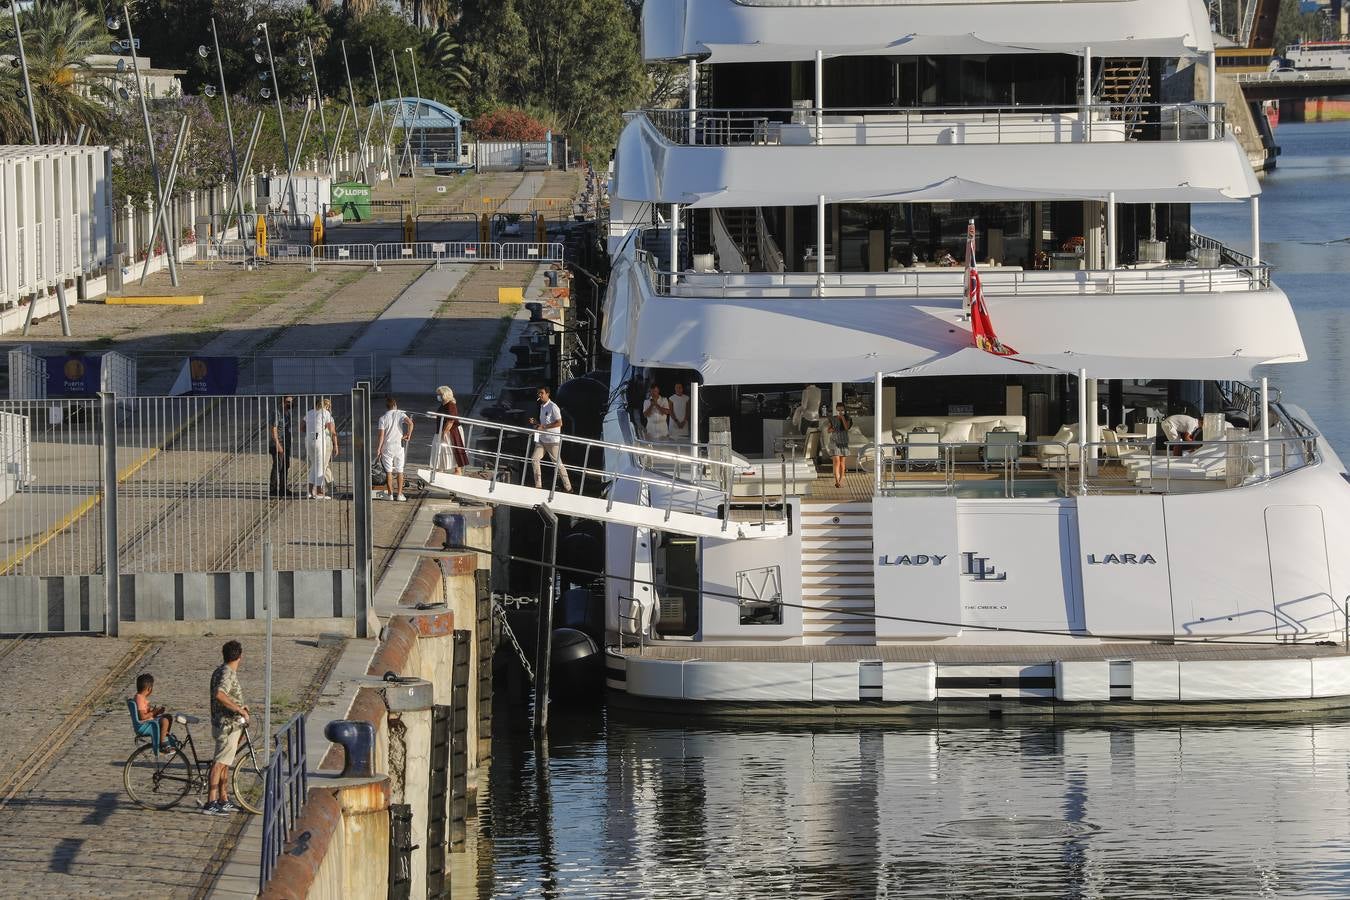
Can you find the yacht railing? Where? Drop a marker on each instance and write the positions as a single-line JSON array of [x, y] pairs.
[[950, 282], [899, 126], [1130, 464], [674, 479]]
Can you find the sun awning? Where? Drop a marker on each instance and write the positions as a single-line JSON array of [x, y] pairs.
[[770, 340], [777, 31], [649, 169]]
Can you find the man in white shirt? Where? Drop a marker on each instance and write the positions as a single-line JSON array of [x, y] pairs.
[[679, 414], [657, 413], [391, 446], [548, 439], [1180, 427]]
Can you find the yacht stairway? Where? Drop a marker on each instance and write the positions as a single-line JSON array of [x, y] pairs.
[[837, 586]]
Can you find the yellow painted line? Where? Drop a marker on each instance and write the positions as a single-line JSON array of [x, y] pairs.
[[182, 300]]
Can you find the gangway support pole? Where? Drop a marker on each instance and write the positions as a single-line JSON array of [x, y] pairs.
[[543, 654]]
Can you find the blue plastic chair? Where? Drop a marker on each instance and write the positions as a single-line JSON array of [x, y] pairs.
[[143, 730]]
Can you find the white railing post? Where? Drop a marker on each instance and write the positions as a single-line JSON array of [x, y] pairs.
[[1210, 117], [877, 419], [693, 102], [1082, 430], [820, 94], [693, 417], [674, 243], [1265, 427], [1111, 231], [820, 245], [1256, 231]]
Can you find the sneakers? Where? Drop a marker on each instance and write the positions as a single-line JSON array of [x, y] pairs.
[[402, 499], [212, 808], [227, 808]]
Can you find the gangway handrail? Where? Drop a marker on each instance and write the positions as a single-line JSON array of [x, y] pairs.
[[693, 483]]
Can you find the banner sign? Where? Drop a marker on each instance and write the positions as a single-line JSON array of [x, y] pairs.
[[214, 375], [352, 197], [73, 375]]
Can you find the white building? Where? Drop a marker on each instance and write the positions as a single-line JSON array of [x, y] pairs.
[[55, 216]]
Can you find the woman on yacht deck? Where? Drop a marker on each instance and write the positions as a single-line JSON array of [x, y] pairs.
[[840, 423]]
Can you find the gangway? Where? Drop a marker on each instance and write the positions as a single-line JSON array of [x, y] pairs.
[[642, 486]]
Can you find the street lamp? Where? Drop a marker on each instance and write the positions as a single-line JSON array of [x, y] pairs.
[[313, 65], [23, 64], [271, 73], [379, 104], [205, 53], [112, 24], [417, 113]]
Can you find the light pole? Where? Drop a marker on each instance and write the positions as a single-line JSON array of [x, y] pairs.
[[318, 97], [379, 104], [351, 95], [281, 115], [225, 98], [407, 132], [417, 89], [23, 64], [113, 24]]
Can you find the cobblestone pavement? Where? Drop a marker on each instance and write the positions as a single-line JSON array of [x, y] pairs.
[[73, 832]]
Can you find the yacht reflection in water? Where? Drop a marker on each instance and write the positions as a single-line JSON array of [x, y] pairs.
[[1141, 811]]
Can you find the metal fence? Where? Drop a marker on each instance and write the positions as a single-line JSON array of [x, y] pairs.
[[420, 252], [285, 789], [205, 479], [51, 481]]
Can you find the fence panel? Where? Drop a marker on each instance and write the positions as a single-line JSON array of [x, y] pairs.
[[444, 251], [522, 251], [363, 254], [206, 480], [50, 488]]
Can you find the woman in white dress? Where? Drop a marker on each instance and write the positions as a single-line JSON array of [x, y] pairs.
[[320, 436], [657, 413]]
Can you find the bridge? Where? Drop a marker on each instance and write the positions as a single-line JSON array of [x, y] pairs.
[[1293, 85]]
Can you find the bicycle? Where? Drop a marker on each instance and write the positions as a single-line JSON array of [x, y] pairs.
[[161, 780]]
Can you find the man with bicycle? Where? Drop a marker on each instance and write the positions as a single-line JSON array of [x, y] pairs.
[[229, 718]]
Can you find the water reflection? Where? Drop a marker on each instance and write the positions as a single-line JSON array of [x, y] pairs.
[[873, 811]]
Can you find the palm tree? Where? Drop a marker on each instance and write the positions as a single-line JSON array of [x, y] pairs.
[[58, 38], [445, 55], [358, 8]]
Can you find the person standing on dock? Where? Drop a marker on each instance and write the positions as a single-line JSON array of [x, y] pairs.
[[279, 446], [321, 446], [229, 718], [548, 439], [450, 437], [396, 429]]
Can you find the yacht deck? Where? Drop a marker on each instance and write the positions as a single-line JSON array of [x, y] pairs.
[[953, 654]]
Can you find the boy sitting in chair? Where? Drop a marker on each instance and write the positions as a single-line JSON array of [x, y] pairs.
[[151, 721]]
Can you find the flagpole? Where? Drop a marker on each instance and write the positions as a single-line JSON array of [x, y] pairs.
[[970, 268]]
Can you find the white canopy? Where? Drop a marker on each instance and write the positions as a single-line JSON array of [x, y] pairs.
[[651, 169], [776, 31], [763, 341]]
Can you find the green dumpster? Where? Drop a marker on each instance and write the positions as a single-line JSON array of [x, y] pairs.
[[352, 199]]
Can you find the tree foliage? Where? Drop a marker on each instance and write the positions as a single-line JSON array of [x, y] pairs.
[[58, 39]]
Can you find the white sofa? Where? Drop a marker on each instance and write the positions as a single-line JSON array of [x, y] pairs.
[[968, 431]]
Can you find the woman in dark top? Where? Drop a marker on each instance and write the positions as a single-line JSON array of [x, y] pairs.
[[451, 437], [840, 423]]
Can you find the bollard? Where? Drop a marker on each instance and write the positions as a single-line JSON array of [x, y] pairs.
[[357, 740]]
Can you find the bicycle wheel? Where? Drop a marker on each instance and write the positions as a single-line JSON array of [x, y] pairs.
[[247, 781], [157, 781]]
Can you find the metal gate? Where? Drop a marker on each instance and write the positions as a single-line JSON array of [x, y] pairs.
[[438, 801]]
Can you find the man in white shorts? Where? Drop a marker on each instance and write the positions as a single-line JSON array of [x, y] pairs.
[[396, 429], [548, 439]]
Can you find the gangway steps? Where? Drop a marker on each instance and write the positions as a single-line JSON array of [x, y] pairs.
[[838, 589]]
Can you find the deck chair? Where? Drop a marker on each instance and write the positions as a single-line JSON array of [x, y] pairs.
[[921, 449], [1001, 447]]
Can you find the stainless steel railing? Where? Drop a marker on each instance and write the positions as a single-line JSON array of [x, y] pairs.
[[674, 478], [909, 126]]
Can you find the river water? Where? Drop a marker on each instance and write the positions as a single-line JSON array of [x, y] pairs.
[[671, 809]]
